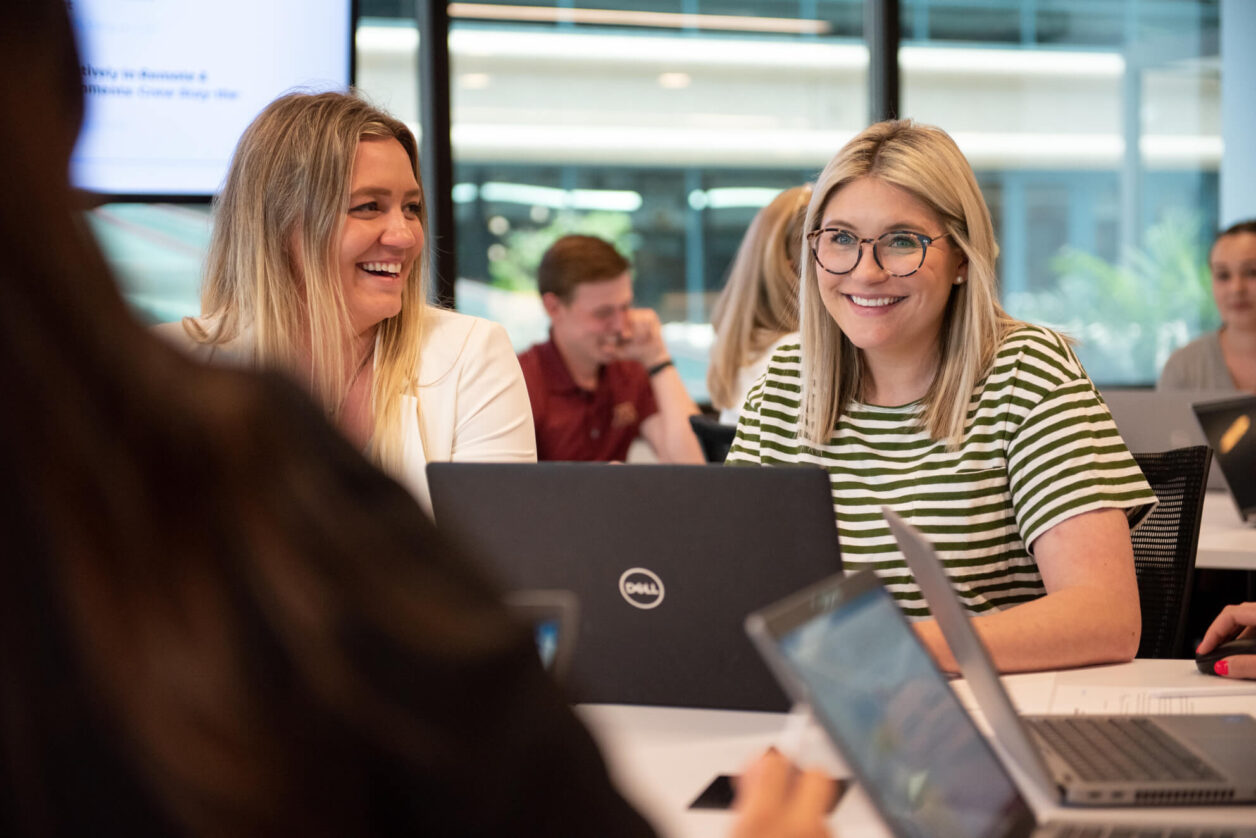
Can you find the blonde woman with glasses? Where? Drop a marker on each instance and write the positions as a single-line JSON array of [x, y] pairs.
[[916, 391], [316, 267], [757, 312]]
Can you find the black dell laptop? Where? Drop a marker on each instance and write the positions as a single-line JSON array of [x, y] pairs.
[[1230, 426], [665, 561]]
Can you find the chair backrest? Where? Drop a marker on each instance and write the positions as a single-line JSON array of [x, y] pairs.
[[714, 438], [1165, 544]]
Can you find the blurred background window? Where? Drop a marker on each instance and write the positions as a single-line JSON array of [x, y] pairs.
[[1094, 127], [1095, 131]]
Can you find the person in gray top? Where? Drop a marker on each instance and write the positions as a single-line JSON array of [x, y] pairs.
[[1224, 359]]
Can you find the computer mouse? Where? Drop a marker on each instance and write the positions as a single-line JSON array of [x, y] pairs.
[[1238, 646]]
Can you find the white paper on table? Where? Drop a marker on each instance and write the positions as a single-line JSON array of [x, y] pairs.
[[1149, 686], [1124, 700]]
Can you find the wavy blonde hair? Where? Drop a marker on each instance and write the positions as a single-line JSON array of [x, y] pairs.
[[285, 200], [924, 161], [759, 302]]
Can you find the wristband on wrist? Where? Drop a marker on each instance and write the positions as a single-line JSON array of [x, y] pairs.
[[659, 367]]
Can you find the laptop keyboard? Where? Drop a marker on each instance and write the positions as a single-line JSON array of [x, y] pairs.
[[1121, 748], [1063, 830]]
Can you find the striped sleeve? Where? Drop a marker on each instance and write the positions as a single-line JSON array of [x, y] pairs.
[[1066, 456], [745, 448], [1039, 447], [772, 403]]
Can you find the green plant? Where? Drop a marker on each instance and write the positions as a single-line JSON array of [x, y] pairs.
[[1128, 317], [515, 269]]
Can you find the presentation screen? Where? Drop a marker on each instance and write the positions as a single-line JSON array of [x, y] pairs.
[[170, 85]]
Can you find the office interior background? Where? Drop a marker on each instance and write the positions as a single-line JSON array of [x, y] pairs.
[[1099, 131]]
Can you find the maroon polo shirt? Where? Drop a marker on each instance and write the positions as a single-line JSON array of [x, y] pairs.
[[577, 424]]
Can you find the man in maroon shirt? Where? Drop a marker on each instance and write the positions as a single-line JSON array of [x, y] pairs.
[[604, 376]]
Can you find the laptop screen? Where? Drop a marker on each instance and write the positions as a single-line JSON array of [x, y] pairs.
[[1230, 426], [1160, 420], [897, 722]]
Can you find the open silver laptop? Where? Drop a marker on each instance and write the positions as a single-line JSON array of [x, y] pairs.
[[1091, 760], [844, 647], [1160, 420], [1230, 427]]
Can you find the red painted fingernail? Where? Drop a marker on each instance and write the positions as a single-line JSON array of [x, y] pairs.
[[1221, 667]]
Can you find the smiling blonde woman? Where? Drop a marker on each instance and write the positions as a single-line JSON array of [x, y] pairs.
[[915, 390], [316, 267]]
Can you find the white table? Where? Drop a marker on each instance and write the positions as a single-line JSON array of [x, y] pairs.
[[662, 757], [1225, 542]]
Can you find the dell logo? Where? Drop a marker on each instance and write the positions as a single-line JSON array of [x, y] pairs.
[[641, 587]]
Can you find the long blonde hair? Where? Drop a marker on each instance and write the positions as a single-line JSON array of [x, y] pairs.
[[759, 302], [285, 199], [924, 161]]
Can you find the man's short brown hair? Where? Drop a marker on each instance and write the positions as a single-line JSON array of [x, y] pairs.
[[575, 259]]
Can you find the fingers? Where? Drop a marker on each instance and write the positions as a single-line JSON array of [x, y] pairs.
[[1227, 623], [774, 800], [1236, 666], [644, 325], [644, 337], [764, 784], [813, 797], [644, 318]]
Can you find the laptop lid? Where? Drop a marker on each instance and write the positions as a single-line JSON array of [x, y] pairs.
[[970, 653], [1230, 427], [665, 560], [1161, 420], [844, 647], [1220, 745]]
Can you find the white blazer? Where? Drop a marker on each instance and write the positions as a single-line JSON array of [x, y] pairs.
[[472, 401]]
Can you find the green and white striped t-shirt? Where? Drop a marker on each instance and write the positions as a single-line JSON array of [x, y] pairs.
[[1040, 447]]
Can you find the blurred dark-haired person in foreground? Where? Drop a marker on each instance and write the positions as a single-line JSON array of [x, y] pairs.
[[216, 618]]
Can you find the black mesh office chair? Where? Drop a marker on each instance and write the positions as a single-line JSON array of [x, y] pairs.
[[714, 437], [1164, 546]]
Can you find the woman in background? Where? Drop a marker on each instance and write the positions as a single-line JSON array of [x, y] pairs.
[[216, 618], [316, 267], [757, 312], [1224, 359], [916, 391]]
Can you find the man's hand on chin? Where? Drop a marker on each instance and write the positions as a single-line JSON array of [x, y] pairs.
[[643, 338]]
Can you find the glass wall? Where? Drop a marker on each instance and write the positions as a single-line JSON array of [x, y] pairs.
[[662, 127], [1093, 125], [1095, 131]]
